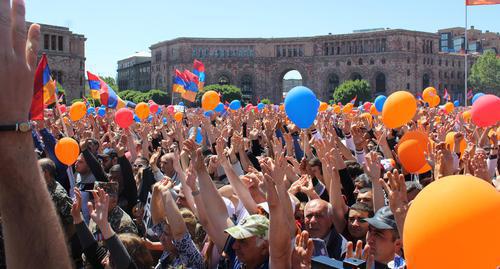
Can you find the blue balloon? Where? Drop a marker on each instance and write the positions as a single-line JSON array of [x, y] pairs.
[[456, 103], [158, 111], [260, 106], [476, 96], [101, 112], [379, 102], [301, 106], [181, 103], [164, 120], [150, 118], [91, 110], [199, 136], [219, 108], [235, 105], [209, 113], [136, 118]]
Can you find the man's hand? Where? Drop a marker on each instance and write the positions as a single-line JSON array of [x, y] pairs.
[[76, 208], [372, 166], [99, 211], [18, 52], [302, 253], [395, 189], [153, 161], [360, 253]]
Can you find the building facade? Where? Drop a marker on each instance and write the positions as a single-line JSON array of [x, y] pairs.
[[65, 52], [453, 40], [390, 60], [134, 72]]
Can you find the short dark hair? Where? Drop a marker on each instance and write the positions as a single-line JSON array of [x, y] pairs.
[[358, 206], [353, 169], [315, 162], [363, 190], [49, 166], [364, 179]]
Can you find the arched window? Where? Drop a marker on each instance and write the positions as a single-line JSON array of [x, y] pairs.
[[372, 62], [223, 80], [425, 81], [356, 76], [348, 61], [333, 83], [380, 82], [383, 60], [360, 61]]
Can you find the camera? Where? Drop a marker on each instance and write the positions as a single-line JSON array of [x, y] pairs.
[[324, 262]]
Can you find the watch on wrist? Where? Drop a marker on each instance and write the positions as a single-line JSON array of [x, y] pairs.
[[23, 127]]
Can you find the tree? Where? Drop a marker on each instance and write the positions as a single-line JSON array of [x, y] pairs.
[[158, 96], [266, 101], [228, 92], [111, 82], [485, 73], [350, 89]]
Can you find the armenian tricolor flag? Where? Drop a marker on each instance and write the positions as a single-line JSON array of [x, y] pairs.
[[446, 96], [481, 2], [179, 82], [108, 96], [44, 89], [353, 101], [199, 71]]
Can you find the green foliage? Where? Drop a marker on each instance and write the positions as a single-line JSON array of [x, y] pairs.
[[266, 101], [485, 73], [351, 88], [60, 88], [228, 92], [158, 96]]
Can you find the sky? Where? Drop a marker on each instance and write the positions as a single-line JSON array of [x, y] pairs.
[[116, 29]]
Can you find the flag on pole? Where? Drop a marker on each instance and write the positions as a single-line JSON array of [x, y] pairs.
[[199, 70], [446, 96], [179, 84], [481, 2], [469, 94], [43, 86], [353, 101], [108, 96]]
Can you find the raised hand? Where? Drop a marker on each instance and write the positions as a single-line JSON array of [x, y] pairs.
[[220, 146], [99, 211], [76, 208], [302, 253], [360, 253], [153, 161], [372, 166], [395, 189]]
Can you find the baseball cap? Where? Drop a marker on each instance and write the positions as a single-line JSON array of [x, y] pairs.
[[108, 152], [253, 225], [383, 219]]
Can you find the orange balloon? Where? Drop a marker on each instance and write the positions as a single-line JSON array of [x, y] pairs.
[[178, 116], [399, 109], [347, 108], [428, 93], [210, 100], [77, 111], [411, 155], [336, 109], [450, 140], [448, 107], [373, 110], [282, 107], [67, 150], [424, 169], [323, 106], [142, 110], [421, 137], [434, 101], [456, 209], [466, 115]]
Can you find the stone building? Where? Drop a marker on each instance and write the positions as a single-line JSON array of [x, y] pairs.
[[389, 60], [134, 72], [65, 52], [453, 40]]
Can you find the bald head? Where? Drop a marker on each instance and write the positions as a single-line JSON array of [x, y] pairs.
[[318, 218], [167, 164]]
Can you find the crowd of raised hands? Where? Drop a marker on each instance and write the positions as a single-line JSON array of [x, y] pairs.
[[255, 192]]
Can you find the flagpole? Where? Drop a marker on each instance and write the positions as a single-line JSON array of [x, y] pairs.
[[466, 49]]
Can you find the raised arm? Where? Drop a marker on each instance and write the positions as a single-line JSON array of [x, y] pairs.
[[216, 208], [20, 178], [239, 188]]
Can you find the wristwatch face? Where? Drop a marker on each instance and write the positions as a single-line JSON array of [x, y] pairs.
[[24, 127]]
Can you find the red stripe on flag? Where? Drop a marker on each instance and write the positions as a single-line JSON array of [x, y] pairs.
[[36, 111]]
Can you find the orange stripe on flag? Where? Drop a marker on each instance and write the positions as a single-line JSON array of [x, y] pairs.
[[481, 2]]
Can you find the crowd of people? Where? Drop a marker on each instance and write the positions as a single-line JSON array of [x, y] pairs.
[[255, 192]]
